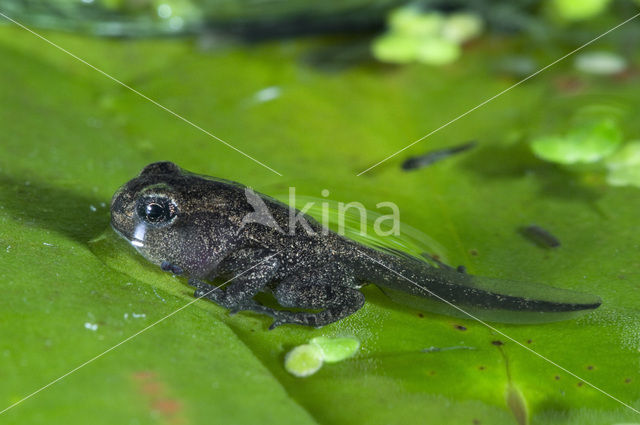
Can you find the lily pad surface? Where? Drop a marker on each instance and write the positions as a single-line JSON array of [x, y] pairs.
[[70, 137]]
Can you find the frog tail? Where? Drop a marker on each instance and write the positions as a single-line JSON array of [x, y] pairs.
[[417, 284]]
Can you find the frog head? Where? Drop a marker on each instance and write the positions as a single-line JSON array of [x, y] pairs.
[[160, 212]]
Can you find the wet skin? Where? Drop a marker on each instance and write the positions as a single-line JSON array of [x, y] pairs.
[[207, 228]]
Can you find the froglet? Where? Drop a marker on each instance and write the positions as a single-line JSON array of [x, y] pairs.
[[207, 228]]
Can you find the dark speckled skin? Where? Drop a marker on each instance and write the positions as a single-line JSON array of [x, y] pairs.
[[304, 268]]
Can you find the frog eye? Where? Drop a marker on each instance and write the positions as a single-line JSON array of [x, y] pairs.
[[156, 210]]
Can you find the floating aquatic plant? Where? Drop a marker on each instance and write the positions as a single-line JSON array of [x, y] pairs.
[[585, 143], [572, 10], [594, 141], [336, 349], [306, 359], [427, 37], [624, 166], [600, 63]]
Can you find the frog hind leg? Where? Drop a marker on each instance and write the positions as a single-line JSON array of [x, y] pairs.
[[330, 291], [335, 300]]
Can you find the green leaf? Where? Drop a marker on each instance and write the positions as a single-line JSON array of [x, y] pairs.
[[70, 137]]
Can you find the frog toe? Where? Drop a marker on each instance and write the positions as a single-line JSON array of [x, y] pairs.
[[200, 292], [276, 323]]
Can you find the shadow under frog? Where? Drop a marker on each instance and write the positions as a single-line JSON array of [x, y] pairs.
[[196, 226], [64, 211]]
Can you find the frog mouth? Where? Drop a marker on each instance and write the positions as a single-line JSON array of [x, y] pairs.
[[137, 240], [138, 235]]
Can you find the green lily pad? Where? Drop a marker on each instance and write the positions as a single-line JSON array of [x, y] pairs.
[[70, 137]]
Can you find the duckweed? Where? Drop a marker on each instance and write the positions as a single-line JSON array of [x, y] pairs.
[[600, 63], [336, 349], [426, 37], [624, 166], [573, 10], [586, 143], [304, 360]]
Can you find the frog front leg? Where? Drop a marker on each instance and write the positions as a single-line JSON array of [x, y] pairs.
[[252, 271]]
